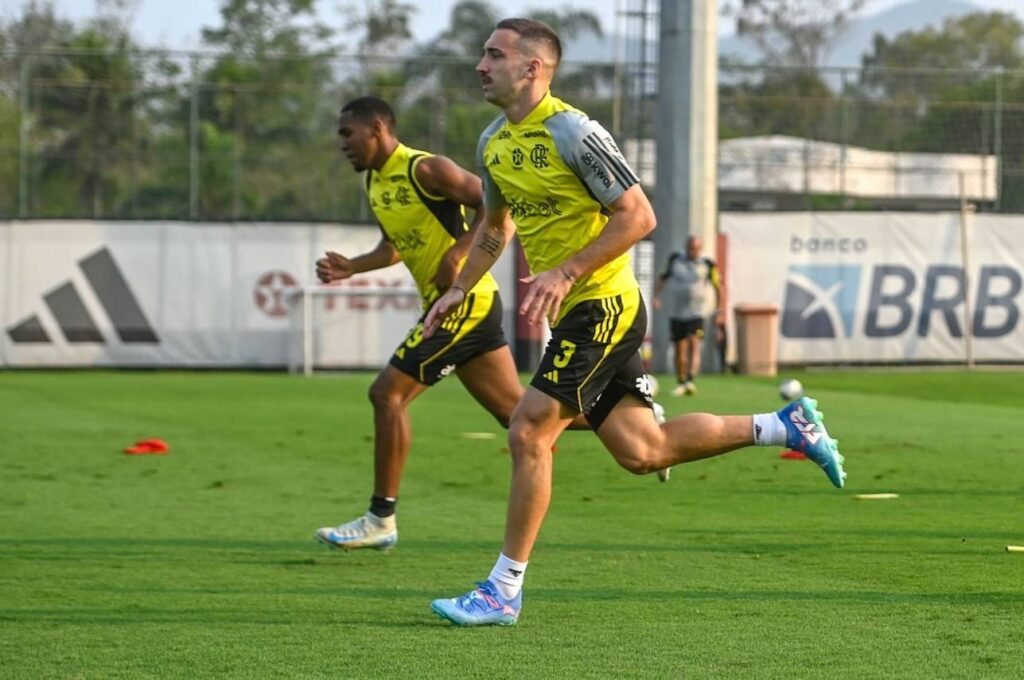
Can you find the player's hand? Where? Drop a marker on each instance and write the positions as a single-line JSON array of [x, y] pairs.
[[447, 270], [544, 296], [442, 307], [334, 267]]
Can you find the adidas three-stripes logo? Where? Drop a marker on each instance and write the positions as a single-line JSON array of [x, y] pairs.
[[72, 316]]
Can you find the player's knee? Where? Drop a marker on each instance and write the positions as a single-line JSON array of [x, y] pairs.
[[641, 458], [637, 465], [518, 435], [523, 438], [382, 397]]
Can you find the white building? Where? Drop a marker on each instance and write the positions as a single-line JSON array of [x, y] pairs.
[[778, 172]]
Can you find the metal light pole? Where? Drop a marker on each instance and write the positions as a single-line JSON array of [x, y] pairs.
[[686, 192]]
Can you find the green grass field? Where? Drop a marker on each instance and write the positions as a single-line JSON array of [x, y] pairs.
[[201, 562]]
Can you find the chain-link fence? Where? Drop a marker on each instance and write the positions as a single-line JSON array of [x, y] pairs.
[[169, 135]]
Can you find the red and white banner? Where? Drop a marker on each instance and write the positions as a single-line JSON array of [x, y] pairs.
[[883, 287]]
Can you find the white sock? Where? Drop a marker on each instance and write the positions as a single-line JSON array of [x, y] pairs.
[[769, 430], [507, 576], [386, 523]]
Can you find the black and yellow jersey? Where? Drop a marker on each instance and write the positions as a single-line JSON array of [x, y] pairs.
[[557, 171], [421, 227]]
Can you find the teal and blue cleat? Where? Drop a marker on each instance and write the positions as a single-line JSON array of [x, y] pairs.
[[481, 607], [805, 432]]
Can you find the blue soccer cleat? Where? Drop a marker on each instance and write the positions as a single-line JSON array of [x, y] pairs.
[[481, 607], [805, 432]]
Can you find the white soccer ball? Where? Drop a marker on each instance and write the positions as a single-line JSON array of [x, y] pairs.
[[791, 389]]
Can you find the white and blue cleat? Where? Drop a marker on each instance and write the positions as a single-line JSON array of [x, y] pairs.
[[805, 432], [368, 531], [483, 606]]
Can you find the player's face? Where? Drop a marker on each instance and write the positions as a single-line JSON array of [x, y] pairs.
[[693, 249], [502, 69], [358, 140]]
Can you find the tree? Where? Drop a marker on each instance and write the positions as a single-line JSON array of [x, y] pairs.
[[384, 25], [972, 42], [969, 42], [792, 32], [789, 102], [268, 97], [267, 28], [38, 28], [949, 103], [86, 113]]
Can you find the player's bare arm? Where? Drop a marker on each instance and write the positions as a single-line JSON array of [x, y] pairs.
[[489, 241], [336, 267], [632, 218]]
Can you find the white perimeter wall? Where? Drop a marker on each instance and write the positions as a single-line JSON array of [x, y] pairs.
[[197, 295], [882, 287], [857, 287]]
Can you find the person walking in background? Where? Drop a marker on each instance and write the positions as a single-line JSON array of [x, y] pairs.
[[688, 277]]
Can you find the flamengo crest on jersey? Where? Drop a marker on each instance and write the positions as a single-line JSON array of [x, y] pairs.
[[557, 171]]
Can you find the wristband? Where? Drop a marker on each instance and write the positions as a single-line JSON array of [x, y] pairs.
[[567, 275], [464, 293]]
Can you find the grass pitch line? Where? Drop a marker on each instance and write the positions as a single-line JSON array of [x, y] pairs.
[[478, 435], [875, 496], [1015, 548]]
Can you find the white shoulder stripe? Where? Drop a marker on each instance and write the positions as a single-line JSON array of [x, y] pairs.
[[616, 164]]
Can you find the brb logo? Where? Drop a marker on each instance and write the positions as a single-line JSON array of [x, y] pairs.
[[820, 301], [823, 301]]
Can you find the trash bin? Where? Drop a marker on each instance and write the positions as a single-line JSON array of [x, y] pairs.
[[757, 338]]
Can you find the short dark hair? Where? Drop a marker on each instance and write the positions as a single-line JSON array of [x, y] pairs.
[[369, 107], [531, 29]]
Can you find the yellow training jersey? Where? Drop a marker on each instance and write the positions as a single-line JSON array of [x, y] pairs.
[[556, 171], [421, 227]]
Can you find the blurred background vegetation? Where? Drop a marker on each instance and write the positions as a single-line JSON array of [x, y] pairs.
[[94, 126]]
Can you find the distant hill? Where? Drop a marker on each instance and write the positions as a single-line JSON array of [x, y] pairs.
[[847, 50], [857, 39]]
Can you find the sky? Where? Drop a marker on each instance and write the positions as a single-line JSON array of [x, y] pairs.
[[176, 24]]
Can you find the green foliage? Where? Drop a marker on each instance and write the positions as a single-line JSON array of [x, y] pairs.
[[953, 111], [981, 40], [201, 563], [266, 28], [117, 132], [10, 123], [784, 102]]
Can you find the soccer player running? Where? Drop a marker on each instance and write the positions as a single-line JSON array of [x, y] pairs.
[[419, 202], [578, 209]]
